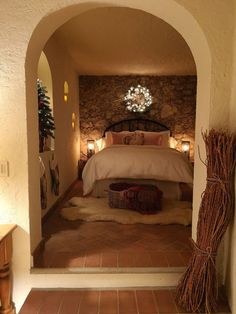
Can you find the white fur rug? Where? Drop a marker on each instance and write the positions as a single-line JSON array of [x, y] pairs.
[[97, 209]]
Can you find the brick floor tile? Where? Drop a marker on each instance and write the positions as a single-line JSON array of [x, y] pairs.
[[127, 302], [52, 302], [108, 302], [165, 301], [33, 302], [174, 259], [109, 260], [146, 302], [89, 303], [126, 260], [71, 301], [142, 260], [64, 238], [93, 260], [158, 259]]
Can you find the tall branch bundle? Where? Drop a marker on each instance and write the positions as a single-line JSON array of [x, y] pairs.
[[198, 288]]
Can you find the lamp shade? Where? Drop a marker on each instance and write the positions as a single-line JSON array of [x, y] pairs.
[[185, 145], [90, 148]]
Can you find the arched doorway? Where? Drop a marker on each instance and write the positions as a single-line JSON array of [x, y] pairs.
[[19, 199], [192, 34]]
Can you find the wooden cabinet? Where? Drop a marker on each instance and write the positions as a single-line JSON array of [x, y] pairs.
[[7, 306]]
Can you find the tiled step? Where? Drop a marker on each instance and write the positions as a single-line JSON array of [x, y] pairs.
[[149, 301], [107, 270], [69, 278]]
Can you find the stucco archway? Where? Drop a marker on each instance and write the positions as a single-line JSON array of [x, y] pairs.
[[182, 21]]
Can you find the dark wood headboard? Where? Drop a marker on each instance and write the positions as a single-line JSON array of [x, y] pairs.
[[136, 124]]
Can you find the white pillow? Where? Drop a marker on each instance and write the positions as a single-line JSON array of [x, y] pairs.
[[101, 144]]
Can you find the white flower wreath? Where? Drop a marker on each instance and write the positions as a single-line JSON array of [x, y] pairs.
[[138, 99]]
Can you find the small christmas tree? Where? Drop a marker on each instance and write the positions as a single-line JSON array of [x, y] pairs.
[[46, 120]]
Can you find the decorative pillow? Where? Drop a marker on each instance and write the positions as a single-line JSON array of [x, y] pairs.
[[128, 138], [134, 139], [138, 139], [156, 138], [116, 138]]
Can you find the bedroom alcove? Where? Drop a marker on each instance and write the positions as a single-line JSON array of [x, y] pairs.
[[174, 104], [36, 234], [132, 255]]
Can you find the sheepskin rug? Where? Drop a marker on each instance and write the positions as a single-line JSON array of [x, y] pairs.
[[97, 209]]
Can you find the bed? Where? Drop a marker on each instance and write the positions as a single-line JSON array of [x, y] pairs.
[[137, 150]]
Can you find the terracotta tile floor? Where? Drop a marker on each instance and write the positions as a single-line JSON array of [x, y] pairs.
[[109, 244], [106, 302]]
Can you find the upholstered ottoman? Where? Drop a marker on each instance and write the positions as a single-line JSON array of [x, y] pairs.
[[144, 198]]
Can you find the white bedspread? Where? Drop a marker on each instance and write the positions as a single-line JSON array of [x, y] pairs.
[[136, 161]]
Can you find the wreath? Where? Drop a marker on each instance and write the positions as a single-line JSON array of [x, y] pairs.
[[138, 99]]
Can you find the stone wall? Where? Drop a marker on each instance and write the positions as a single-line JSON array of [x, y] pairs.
[[101, 104]]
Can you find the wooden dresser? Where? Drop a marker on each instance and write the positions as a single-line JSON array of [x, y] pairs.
[[7, 306]]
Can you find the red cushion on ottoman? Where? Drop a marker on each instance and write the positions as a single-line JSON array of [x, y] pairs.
[[145, 199]]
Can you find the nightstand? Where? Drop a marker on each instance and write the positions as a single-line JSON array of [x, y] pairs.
[[81, 164]]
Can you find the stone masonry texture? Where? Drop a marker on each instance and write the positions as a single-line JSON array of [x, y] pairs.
[[101, 104]]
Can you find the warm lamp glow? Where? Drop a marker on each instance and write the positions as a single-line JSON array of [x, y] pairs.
[[90, 145], [90, 148], [185, 147], [173, 142], [66, 91], [73, 121], [66, 88]]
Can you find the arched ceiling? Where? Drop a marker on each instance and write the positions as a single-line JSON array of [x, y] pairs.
[[122, 41]]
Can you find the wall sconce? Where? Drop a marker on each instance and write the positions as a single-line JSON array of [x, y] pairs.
[[90, 148], [185, 147], [66, 91], [73, 118]]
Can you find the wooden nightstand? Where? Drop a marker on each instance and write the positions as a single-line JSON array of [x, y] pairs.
[[81, 164]]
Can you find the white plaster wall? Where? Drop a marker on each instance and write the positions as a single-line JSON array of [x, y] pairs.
[[44, 74], [202, 23], [66, 146], [216, 19], [51, 197]]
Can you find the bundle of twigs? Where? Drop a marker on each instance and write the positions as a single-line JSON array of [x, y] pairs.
[[198, 288]]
